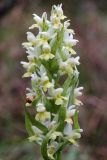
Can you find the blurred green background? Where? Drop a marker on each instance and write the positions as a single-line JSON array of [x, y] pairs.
[[89, 20]]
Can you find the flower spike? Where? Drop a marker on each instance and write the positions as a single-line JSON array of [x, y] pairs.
[[52, 68]]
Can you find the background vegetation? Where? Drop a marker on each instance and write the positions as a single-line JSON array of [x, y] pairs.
[[89, 20]]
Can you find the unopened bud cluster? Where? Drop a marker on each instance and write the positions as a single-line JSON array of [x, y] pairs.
[[52, 67]]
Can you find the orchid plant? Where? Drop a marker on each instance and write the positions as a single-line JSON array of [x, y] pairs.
[[52, 67]]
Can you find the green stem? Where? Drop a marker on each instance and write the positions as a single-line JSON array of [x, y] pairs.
[[45, 143], [58, 156]]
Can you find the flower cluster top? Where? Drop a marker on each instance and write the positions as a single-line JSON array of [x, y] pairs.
[[52, 66]]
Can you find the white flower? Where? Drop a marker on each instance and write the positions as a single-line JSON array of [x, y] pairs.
[[45, 35], [69, 114], [31, 37], [57, 96], [65, 68], [33, 53], [68, 129], [56, 22], [35, 78], [69, 42], [27, 45], [58, 12], [57, 16], [66, 53], [46, 55], [31, 93], [43, 79], [46, 48], [73, 61], [25, 64], [37, 135], [42, 115], [37, 19], [66, 25], [55, 134], [40, 107], [58, 91], [30, 68], [70, 133], [30, 50], [46, 84], [42, 70], [77, 91], [68, 66], [68, 39], [40, 22], [36, 130], [42, 38]]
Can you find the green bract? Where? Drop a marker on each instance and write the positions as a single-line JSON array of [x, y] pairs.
[[52, 68]]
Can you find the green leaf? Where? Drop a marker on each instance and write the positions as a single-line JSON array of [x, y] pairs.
[[75, 119], [74, 84], [61, 118], [66, 85], [28, 125]]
